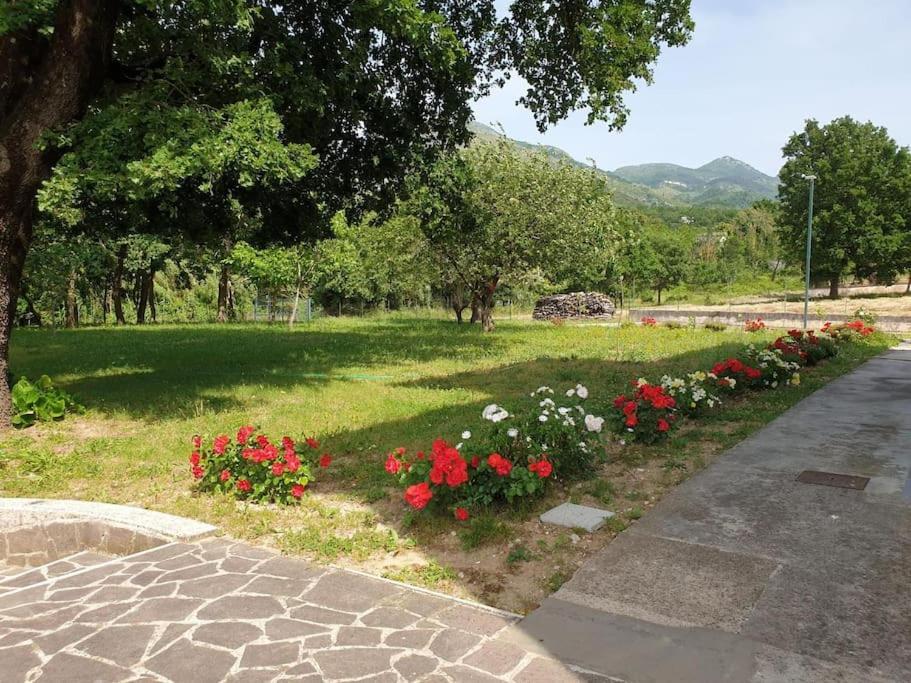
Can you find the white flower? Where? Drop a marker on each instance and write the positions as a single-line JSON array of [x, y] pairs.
[[570, 392], [622, 442], [542, 418], [512, 432], [466, 435], [543, 390], [547, 402], [593, 424], [562, 410], [499, 416], [581, 410], [581, 391], [459, 446], [490, 410]]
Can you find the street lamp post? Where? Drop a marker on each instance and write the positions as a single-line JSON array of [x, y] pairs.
[[806, 291]]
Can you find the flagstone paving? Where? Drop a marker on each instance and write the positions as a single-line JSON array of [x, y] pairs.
[[217, 610]]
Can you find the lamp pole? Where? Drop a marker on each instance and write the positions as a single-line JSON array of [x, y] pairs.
[[806, 291]]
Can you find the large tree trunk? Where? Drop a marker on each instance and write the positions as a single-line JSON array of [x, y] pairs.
[[486, 303], [146, 286], [44, 84], [224, 293], [458, 301], [833, 287], [151, 295], [72, 312], [475, 310], [117, 285]]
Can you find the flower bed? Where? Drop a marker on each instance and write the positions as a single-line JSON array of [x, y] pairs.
[[650, 414], [512, 456], [251, 467]]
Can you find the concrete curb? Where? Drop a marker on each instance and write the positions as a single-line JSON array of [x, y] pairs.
[[22, 512]]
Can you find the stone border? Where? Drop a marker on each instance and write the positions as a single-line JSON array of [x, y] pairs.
[[34, 532]]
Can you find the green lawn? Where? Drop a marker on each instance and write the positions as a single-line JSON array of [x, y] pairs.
[[363, 386]]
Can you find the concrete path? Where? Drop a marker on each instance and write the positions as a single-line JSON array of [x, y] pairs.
[[744, 574]]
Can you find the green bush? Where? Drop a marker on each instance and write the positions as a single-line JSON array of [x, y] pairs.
[[40, 401], [715, 326]]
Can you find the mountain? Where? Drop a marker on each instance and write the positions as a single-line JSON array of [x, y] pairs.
[[724, 182]]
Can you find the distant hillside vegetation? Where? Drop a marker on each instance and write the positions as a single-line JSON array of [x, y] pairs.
[[724, 182]]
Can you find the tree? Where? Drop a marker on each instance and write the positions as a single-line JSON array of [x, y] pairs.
[[369, 88], [281, 272], [493, 214], [861, 221]]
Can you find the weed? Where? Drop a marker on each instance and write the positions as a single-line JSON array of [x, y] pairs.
[[482, 530]]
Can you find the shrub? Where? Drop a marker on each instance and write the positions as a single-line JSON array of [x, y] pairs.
[[806, 348], [773, 367], [715, 326], [512, 456], [40, 400], [694, 394], [756, 325], [647, 415], [735, 375], [850, 331], [866, 316], [673, 325], [251, 467]]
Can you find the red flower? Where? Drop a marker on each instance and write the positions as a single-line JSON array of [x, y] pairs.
[[663, 425], [619, 401], [262, 440], [418, 495], [448, 466], [197, 471], [287, 443], [278, 469], [632, 421], [194, 458], [325, 460], [542, 468], [244, 434], [461, 514], [475, 461], [197, 442], [420, 455], [500, 465], [225, 475], [752, 373], [392, 465], [292, 462], [400, 451], [297, 490], [313, 443], [220, 444], [244, 485]]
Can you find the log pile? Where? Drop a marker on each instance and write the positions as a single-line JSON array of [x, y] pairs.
[[588, 305]]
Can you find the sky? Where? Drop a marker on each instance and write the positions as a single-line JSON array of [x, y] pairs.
[[753, 72]]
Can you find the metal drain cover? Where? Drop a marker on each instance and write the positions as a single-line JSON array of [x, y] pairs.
[[842, 481]]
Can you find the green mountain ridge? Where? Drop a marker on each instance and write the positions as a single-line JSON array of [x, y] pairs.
[[725, 182]]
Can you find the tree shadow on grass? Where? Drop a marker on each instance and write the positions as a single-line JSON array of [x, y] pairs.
[[162, 372]]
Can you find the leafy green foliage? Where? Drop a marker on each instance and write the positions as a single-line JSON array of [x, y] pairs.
[[41, 400], [861, 203], [492, 215]]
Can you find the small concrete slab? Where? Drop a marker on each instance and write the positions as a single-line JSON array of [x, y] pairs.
[[577, 516]]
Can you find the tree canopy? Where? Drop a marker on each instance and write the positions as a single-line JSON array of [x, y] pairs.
[[862, 200], [202, 117]]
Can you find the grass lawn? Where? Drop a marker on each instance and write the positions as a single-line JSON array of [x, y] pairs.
[[364, 386]]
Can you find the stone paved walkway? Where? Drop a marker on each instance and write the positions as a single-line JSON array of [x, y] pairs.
[[216, 610]]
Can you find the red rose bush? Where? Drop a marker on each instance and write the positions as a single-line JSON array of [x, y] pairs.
[[511, 455], [647, 415], [251, 467]]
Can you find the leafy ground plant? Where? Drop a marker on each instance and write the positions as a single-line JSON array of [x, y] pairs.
[[40, 400]]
